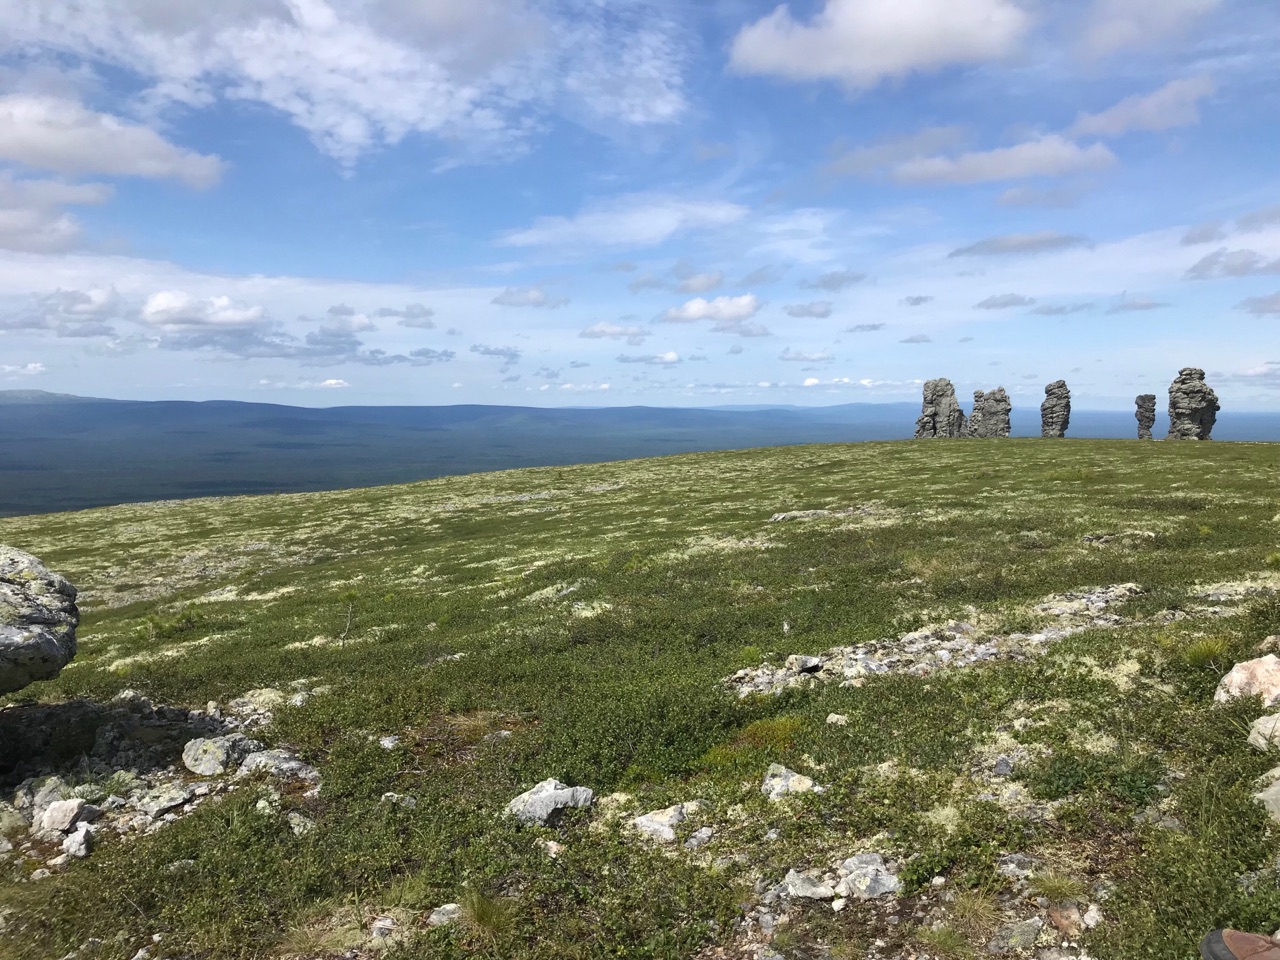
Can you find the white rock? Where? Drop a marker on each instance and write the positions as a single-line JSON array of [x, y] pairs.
[[660, 824], [278, 763], [79, 843], [61, 815], [837, 719], [1092, 917], [866, 877], [547, 801], [444, 915], [550, 847], [799, 886], [801, 663], [1260, 677], [1264, 733], [162, 800], [300, 825], [780, 782], [839, 903]]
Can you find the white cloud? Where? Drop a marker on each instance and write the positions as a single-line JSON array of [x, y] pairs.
[[1048, 156], [701, 282], [819, 309], [917, 338], [1115, 25], [478, 75], [634, 220], [1004, 301], [175, 311], [801, 356], [1233, 263], [23, 370], [1176, 104], [51, 133], [1261, 306], [615, 331], [1128, 304], [528, 297], [655, 359], [1019, 243], [835, 280], [1259, 219], [862, 42], [811, 382], [333, 384], [721, 309], [870, 159], [31, 214]]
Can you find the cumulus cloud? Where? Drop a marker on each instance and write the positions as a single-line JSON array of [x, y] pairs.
[[801, 356], [1016, 243], [32, 218], [916, 300], [528, 297], [741, 328], [1259, 219], [1176, 104], [411, 315], [175, 311], [1051, 155], [917, 338], [721, 310], [864, 328], [1115, 25], [647, 281], [1059, 310], [872, 158], [1261, 306], [1232, 263], [508, 355], [1204, 233], [834, 280], [71, 313], [862, 42], [818, 309], [634, 335], [654, 359], [1129, 304], [51, 133], [479, 76], [333, 384], [1004, 301], [23, 369], [700, 282], [634, 220]]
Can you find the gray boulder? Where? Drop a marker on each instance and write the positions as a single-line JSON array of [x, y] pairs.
[[990, 417], [546, 802], [38, 620], [1055, 412], [277, 763], [214, 756], [1193, 406], [1146, 415], [940, 413], [866, 877]]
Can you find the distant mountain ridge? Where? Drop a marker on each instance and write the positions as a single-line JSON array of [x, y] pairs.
[[61, 452]]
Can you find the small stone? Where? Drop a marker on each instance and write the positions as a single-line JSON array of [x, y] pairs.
[[1264, 733], [804, 664], [553, 849], [780, 782], [1067, 919], [839, 903], [699, 838], [79, 843], [1016, 866], [798, 886], [1003, 766], [1016, 937], [546, 802], [866, 877], [409, 803], [300, 825], [443, 915], [1092, 917], [40, 873], [1260, 677], [837, 719], [389, 743], [660, 824], [164, 799]]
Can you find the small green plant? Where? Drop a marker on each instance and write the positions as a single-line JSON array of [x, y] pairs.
[[974, 912], [1272, 560], [1058, 887], [488, 919], [1206, 652], [944, 941]]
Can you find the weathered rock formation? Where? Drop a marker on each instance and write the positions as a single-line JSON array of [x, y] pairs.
[[940, 414], [38, 619], [1146, 415], [990, 417], [1193, 406], [1055, 412]]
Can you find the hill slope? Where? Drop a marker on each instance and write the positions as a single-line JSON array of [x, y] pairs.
[[1019, 642]]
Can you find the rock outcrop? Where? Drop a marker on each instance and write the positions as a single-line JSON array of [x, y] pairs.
[[1193, 406], [38, 620], [1055, 412], [990, 417], [1146, 415], [940, 414], [545, 803]]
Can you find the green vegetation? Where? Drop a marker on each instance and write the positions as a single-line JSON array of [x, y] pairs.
[[598, 610]]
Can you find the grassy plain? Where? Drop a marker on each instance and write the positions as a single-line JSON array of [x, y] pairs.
[[599, 608]]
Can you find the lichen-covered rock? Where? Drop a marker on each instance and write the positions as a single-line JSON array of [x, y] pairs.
[[990, 417], [278, 763], [213, 756], [1017, 937], [940, 413], [1055, 412], [1146, 415], [780, 782], [1193, 406], [1253, 678], [866, 877], [546, 802], [660, 824], [798, 886], [38, 620]]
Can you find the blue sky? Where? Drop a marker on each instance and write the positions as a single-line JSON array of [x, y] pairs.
[[578, 202]]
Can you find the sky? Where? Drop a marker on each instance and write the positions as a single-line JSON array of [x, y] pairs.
[[619, 202]]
